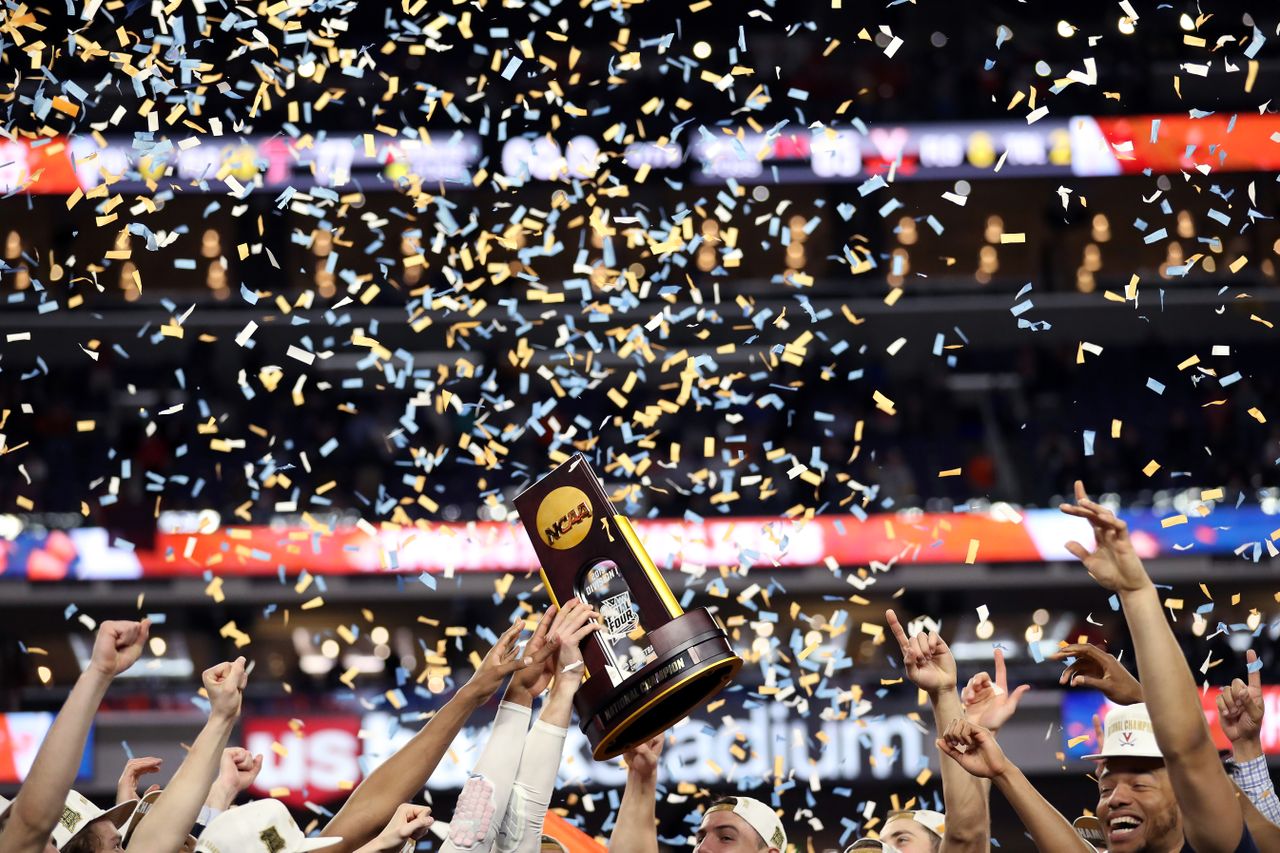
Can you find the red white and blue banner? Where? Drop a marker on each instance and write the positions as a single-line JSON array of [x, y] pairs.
[[1003, 535]]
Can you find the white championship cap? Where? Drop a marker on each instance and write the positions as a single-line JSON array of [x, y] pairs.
[[78, 812], [1128, 734], [264, 826], [758, 816], [935, 822]]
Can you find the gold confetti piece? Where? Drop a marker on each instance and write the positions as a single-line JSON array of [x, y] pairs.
[[214, 591], [45, 674], [1115, 428], [1238, 264], [972, 556], [1257, 415], [883, 403], [1151, 467], [1211, 494], [1173, 603], [1076, 741], [1013, 238], [950, 472], [231, 632], [85, 426], [279, 793], [1173, 521]]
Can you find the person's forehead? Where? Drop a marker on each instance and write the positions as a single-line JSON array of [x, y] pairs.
[[718, 819], [904, 823], [1129, 767]]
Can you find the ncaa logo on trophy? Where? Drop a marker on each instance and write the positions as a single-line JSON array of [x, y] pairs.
[[652, 663]]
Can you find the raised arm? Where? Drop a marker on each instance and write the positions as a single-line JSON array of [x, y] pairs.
[[1240, 712], [167, 825], [931, 667], [544, 745], [974, 749], [38, 806], [1211, 817], [636, 830], [408, 824], [237, 771], [400, 778]]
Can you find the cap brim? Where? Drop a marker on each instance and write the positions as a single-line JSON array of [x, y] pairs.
[[119, 815], [1102, 756], [316, 844]]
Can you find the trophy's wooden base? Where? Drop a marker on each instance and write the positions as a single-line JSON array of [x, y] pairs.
[[693, 662]]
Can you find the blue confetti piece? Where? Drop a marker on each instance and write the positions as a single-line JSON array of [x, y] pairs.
[[1255, 666], [1114, 601], [1089, 435], [1158, 387]]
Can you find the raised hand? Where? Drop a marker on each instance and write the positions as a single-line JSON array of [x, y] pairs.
[[118, 646], [238, 769], [407, 825], [225, 685], [926, 656], [1098, 670], [575, 623], [990, 704], [531, 681], [1240, 706], [1114, 563], [643, 760], [134, 768], [503, 660], [974, 748]]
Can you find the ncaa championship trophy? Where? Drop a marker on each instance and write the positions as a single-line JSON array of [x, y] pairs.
[[651, 663]]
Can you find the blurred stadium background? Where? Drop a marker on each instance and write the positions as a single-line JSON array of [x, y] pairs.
[[384, 301]]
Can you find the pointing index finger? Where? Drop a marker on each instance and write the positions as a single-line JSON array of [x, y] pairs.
[[896, 627]]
